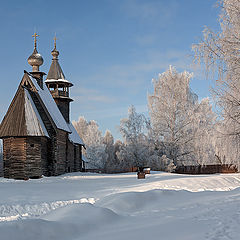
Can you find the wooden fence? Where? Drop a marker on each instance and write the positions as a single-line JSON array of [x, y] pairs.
[[207, 169]]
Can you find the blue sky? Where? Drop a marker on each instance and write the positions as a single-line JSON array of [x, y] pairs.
[[109, 49]]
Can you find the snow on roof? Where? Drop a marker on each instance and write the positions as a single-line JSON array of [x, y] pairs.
[[34, 123], [58, 80], [51, 106], [74, 137]]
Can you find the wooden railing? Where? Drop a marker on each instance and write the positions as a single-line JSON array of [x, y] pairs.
[[56, 93]]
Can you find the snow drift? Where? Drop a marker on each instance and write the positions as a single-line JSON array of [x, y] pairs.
[[87, 206]]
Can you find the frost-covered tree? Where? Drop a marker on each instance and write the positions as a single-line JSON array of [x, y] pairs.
[[120, 163], [171, 109], [133, 130], [81, 125], [93, 140], [101, 151], [227, 146], [108, 141], [219, 53], [204, 127], [95, 149]]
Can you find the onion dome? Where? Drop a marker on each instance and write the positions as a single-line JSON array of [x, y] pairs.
[[35, 60], [55, 52]]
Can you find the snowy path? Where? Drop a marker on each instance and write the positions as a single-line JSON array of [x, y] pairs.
[[118, 206]]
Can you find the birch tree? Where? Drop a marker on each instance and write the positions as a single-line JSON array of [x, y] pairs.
[[204, 128], [108, 141], [171, 109], [81, 126], [133, 128], [219, 54], [95, 149], [227, 146]]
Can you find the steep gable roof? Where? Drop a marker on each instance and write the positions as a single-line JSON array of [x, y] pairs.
[[22, 117], [34, 123]]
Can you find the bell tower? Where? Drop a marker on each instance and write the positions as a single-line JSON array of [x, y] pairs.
[[58, 85]]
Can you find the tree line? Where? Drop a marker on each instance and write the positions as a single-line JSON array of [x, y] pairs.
[[180, 131]]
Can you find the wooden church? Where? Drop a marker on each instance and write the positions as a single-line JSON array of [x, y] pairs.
[[38, 136]]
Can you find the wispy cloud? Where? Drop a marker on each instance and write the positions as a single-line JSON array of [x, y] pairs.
[[112, 90], [144, 40], [134, 74], [91, 98], [147, 10]]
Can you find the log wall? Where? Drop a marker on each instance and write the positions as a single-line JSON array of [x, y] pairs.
[[6, 156], [61, 152], [70, 157], [14, 158], [77, 158], [46, 168], [22, 157], [31, 157], [33, 165]]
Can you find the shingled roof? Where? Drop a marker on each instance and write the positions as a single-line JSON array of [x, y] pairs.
[[22, 117], [55, 71]]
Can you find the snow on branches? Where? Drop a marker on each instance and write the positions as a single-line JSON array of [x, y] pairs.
[[100, 150], [175, 113], [180, 131], [93, 140], [133, 130], [219, 54]]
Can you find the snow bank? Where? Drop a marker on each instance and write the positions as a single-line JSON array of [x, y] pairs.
[[86, 206], [192, 183], [69, 222], [16, 212]]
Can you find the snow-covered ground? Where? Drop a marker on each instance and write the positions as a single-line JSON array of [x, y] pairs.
[[96, 206]]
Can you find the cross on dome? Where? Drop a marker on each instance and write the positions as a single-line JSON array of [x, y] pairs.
[[55, 41], [35, 35], [35, 60]]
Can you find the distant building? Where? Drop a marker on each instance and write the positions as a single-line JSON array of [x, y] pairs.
[[38, 136]]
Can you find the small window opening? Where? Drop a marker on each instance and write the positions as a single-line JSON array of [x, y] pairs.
[[32, 145]]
